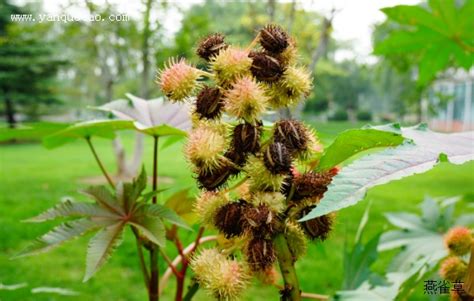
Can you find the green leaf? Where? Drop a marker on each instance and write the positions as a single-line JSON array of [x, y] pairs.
[[101, 247], [161, 130], [96, 128], [183, 205], [404, 220], [59, 235], [357, 265], [104, 198], [351, 142], [71, 209], [352, 182], [152, 228], [148, 196], [401, 42], [415, 16], [434, 59], [156, 210], [33, 131]]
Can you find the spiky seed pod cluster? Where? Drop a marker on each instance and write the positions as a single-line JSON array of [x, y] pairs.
[[224, 278], [243, 84], [459, 240], [453, 269]]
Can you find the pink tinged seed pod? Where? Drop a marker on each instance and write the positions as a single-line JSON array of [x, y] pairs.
[[178, 80], [246, 100], [458, 240]]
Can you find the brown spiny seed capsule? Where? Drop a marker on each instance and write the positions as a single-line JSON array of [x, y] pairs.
[[246, 138], [317, 228], [273, 38], [277, 158], [265, 67], [209, 103], [211, 45], [215, 179], [311, 184], [292, 134], [228, 219], [260, 254], [236, 157], [259, 220]]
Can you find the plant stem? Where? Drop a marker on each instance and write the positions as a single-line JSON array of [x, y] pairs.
[[102, 168], [154, 286], [146, 276], [185, 263], [469, 283], [193, 288], [291, 292], [179, 258]]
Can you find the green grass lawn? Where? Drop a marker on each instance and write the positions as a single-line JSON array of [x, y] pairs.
[[33, 179]]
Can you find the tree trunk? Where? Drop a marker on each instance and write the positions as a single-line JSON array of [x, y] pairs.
[[9, 111], [318, 53]]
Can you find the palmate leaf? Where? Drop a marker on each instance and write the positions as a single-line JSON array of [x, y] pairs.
[[96, 128], [105, 199], [101, 247], [60, 234], [351, 142], [69, 208], [422, 237], [156, 210], [152, 228], [417, 156], [154, 117]]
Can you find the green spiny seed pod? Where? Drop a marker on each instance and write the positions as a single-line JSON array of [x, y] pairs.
[[224, 278], [311, 184], [265, 67], [453, 269], [260, 254], [205, 147], [259, 220], [246, 137], [207, 205], [230, 64], [273, 38], [273, 200], [297, 241], [260, 178], [277, 158], [211, 46], [228, 218], [319, 227], [209, 103], [212, 180], [292, 133]]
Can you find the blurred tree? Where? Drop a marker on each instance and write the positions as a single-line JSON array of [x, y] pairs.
[[28, 67], [340, 85]]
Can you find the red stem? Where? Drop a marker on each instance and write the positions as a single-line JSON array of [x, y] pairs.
[[184, 265]]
